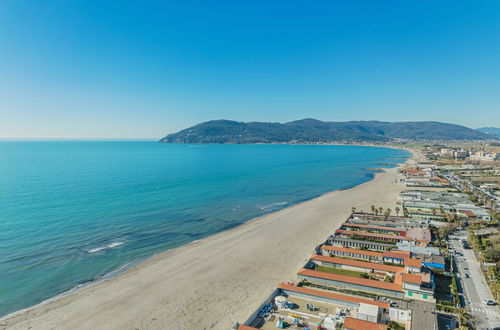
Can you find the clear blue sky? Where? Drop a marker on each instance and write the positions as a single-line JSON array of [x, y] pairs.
[[145, 68]]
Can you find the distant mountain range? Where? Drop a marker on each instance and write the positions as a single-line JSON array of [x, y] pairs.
[[316, 131], [490, 130]]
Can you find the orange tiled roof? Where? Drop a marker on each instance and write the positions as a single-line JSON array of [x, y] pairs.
[[349, 250], [347, 224], [413, 262], [357, 324], [367, 234], [332, 295], [412, 278], [356, 263], [350, 279], [397, 254]]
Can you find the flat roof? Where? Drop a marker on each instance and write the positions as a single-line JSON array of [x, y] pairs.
[[354, 251], [337, 296], [357, 324], [351, 279], [356, 263]]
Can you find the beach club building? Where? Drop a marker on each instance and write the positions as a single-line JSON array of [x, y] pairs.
[[351, 283], [356, 244], [373, 228], [359, 266], [340, 251], [368, 235]]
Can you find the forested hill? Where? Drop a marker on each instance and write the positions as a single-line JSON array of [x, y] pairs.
[[316, 131]]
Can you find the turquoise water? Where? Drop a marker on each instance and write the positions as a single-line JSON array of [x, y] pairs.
[[71, 212]]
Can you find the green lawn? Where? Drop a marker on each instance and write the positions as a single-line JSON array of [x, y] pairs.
[[338, 271]]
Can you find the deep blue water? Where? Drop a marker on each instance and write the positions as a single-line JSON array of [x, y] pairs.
[[71, 212]]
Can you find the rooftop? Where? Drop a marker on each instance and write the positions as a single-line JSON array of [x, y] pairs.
[[367, 234], [412, 262], [354, 251], [332, 295], [356, 263], [348, 224], [357, 324], [350, 279], [412, 278]]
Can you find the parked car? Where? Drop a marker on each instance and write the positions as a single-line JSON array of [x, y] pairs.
[[489, 302]]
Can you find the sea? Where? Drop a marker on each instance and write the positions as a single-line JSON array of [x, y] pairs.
[[75, 212]]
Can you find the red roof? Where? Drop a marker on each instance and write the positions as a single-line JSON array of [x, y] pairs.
[[413, 262], [468, 213], [356, 263], [246, 327], [367, 234], [412, 278], [357, 324], [350, 279], [354, 251], [397, 230], [331, 295], [396, 254]]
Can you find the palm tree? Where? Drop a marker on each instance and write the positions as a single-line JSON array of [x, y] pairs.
[[381, 210], [388, 211], [373, 209], [397, 209], [353, 209]]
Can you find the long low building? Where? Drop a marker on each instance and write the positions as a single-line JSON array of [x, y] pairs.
[[374, 228], [351, 283], [355, 265], [368, 235], [340, 251], [331, 297], [354, 243]]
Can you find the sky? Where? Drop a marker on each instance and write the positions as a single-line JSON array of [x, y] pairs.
[[143, 69]]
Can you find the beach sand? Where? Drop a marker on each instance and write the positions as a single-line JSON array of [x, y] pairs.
[[214, 282]]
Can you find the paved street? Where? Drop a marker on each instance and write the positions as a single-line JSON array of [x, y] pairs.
[[474, 287]]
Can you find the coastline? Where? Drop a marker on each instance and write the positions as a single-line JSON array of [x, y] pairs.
[[143, 296]]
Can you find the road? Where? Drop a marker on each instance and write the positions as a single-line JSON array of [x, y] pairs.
[[475, 287]]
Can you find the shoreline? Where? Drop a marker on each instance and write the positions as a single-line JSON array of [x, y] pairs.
[[25, 317]]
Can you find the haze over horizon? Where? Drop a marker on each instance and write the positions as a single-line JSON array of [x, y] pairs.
[[122, 69]]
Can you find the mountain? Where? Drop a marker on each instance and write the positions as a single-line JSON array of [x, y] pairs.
[[315, 131], [490, 130]]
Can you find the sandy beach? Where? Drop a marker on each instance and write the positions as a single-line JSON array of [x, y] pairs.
[[216, 281]]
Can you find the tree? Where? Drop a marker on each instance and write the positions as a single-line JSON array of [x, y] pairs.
[[353, 209], [397, 209], [373, 209], [381, 210]]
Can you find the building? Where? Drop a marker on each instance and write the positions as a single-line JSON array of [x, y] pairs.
[[355, 265], [351, 283], [356, 244], [340, 251]]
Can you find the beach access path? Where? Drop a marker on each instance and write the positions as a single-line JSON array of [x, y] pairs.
[[216, 281]]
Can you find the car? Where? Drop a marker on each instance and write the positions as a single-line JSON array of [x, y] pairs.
[[467, 276], [489, 302]]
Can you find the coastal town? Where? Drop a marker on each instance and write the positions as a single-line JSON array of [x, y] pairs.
[[431, 262]]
